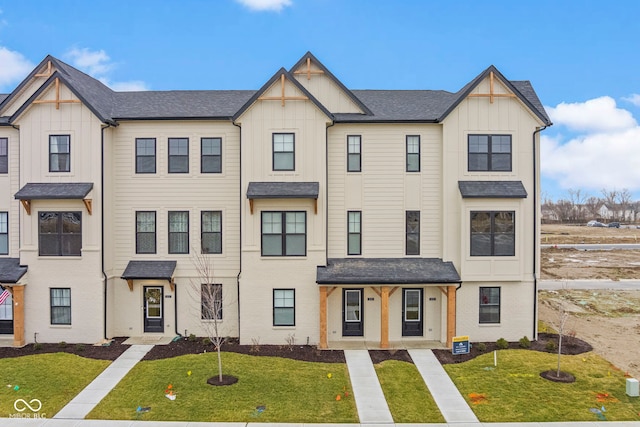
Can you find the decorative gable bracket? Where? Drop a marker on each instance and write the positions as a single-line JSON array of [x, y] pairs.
[[282, 98], [491, 93]]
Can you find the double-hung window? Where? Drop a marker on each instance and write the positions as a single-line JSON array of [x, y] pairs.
[[4, 233], [284, 307], [59, 153], [145, 155], [145, 232], [60, 302], [489, 305], [284, 152], [211, 232], [284, 233], [412, 246], [413, 153], [354, 153], [211, 301], [178, 155], [354, 238], [489, 153], [4, 155], [211, 155], [493, 233], [178, 232], [60, 233]]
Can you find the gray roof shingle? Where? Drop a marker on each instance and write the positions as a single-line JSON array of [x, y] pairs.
[[159, 270], [492, 189], [386, 271], [10, 270], [283, 190], [49, 191]]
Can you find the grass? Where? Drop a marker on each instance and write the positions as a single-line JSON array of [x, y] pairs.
[[407, 395], [514, 390], [289, 391], [54, 379]]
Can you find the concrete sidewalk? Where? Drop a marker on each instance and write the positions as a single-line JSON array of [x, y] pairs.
[[88, 398], [370, 402]]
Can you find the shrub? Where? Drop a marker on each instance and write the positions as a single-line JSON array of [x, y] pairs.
[[37, 346], [192, 337], [550, 346], [206, 341], [502, 344], [255, 345], [524, 342], [62, 344], [481, 347], [79, 347]]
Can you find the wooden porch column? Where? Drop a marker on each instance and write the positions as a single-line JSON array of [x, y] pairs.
[[18, 316], [323, 318], [384, 317], [451, 314]]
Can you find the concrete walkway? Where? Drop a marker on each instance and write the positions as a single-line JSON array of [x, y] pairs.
[[88, 398], [370, 402], [452, 405]]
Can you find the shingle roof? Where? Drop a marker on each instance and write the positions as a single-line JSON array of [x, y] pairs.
[[159, 270], [3, 96], [48, 191], [283, 190], [492, 189], [10, 270], [388, 271]]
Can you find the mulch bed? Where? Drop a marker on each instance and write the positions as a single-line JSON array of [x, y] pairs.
[[103, 352]]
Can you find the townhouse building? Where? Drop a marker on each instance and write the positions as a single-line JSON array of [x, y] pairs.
[[326, 215]]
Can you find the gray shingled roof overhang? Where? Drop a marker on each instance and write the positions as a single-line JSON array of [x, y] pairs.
[[159, 270], [10, 270], [283, 190], [49, 191], [492, 189]]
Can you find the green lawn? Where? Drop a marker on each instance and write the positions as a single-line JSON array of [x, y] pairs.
[[514, 390], [289, 391], [407, 395], [54, 379]]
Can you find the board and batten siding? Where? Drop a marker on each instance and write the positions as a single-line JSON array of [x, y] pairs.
[[9, 185], [326, 91]]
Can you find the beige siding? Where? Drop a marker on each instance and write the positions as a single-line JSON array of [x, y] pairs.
[[325, 90], [9, 185]]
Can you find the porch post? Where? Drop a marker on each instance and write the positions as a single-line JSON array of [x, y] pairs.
[[323, 318], [384, 317], [18, 316], [451, 314]]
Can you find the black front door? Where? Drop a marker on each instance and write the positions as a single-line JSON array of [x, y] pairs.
[[153, 309], [6, 316], [412, 312], [352, 313]]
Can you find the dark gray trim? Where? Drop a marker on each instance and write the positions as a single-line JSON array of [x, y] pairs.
[[492, 189], [51, 191]]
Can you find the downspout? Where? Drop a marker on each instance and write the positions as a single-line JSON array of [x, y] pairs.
[[104, 274], [535, 233], [175, 308], [326, 190], [240, 221]]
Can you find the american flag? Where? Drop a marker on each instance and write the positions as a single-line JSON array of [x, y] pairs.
[[4, 295]]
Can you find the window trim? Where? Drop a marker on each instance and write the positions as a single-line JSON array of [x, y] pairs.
[[273, 152], [177, 156], [59, 233], [202, 232], [218, 303], [4, 234], [178, 233], [155, 155], [489, 153], [204, 156], [283, 233], [354, 234], [482, 305], [407, 233], [418, 154], [492, 233], [51, 307], [155, 232], [293, 307], [4, 158], [358, 153], [68, 153]]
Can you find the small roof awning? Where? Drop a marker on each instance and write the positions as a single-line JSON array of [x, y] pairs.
[[58, 191], [283, 190], [149, 270], [492, 189], [10, 270], [386, 271]]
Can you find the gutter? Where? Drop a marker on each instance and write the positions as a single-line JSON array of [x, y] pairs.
[[535, 234]]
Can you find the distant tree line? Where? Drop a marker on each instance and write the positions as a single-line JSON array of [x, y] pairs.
[[580, 207]]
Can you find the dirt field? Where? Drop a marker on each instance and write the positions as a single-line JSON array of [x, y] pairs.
[[557, 234]]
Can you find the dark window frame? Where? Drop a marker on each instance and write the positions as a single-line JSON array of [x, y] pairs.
[[492, 233], [204, 234], [354, 154], [4, 231], [172, 235], [63, 238], [490, 154], [66, 154], [484, 302], [354, 234], [141, 156], [211, 313], [4, 155], [65, 309], [292, 152], [211, 157], [173, 158], [410, 232], [283, 233], [411, 155], [154, 232], [291, 308]]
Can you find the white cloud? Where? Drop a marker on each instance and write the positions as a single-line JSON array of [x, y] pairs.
[[594, 115], [98, 64], [130, 86], [15, 66], [260, 5], [633, 98]]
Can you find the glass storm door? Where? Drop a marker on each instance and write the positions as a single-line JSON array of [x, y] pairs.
[[412, 312], [153, 310], [352, 313], [6, 316]]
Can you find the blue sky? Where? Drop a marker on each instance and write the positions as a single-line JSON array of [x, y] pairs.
[[583, 58]]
